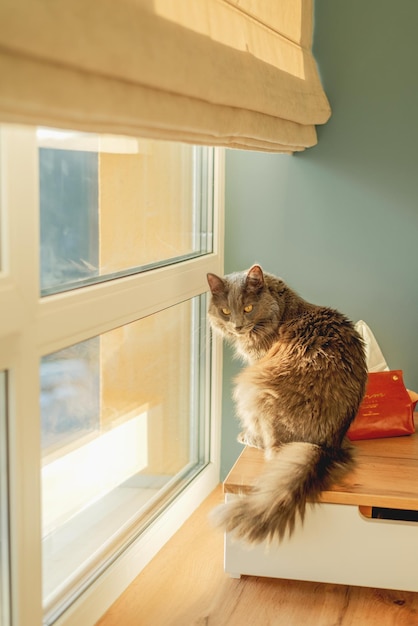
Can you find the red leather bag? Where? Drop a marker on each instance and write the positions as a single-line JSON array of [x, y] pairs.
[[387, 409]]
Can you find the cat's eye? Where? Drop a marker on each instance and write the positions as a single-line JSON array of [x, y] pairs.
[[248, 308], [226, 311]]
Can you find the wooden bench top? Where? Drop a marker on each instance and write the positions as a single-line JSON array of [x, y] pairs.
[[386, 474]]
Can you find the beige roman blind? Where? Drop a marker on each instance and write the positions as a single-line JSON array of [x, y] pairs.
[[234, 73]]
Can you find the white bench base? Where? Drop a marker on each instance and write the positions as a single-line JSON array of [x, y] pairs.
[[335, 545]]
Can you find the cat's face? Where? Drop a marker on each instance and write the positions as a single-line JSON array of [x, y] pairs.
[[241, 305]]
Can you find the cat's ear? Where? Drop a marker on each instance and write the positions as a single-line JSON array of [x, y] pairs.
[[216, 284], [255, 279]]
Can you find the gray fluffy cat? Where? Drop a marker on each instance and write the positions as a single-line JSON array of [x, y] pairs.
[[296, 398]]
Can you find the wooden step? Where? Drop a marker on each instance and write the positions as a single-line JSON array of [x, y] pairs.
[[385, 475]]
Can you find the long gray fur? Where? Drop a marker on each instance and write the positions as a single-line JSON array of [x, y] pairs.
[[304, 379]]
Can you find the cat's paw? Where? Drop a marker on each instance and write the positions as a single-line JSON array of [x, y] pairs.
[[242, 438], [249, 440]]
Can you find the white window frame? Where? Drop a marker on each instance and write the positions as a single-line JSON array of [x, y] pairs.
[[4, 498], [31, 327]]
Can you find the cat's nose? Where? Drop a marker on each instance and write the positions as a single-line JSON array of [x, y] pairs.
[[238, 328]]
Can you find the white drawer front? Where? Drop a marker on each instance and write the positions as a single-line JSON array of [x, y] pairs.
[[336, 545]]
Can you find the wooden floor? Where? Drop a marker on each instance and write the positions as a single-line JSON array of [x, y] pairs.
[[185, 585]]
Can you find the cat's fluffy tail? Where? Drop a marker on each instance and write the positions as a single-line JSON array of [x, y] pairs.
[[297, 472]]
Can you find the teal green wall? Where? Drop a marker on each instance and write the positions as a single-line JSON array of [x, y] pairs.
[[339, 222]]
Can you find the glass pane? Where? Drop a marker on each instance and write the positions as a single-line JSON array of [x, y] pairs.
[[4, 506], [112, 206], [122, 433]]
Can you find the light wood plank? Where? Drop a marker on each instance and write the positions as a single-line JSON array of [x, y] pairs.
[[182, 579], [386, 474], [185, 585]]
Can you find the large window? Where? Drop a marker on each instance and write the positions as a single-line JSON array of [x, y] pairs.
[[106, 242]]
